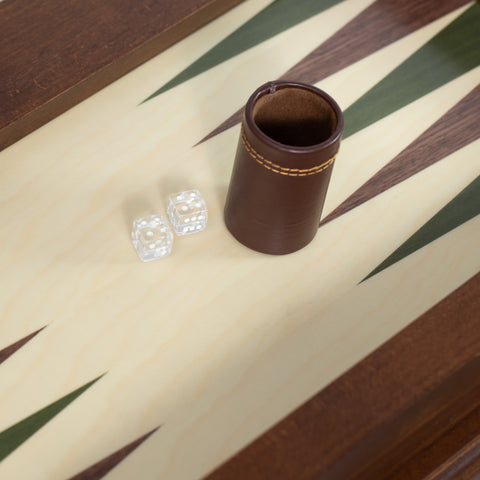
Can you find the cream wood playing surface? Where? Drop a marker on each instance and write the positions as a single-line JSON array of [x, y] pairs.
[[215, 342]]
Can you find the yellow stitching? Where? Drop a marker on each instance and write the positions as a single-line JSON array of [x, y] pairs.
[[256, 156], [283, 170]]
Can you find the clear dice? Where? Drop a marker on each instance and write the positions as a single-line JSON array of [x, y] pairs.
[[152, 237], [187, 212]]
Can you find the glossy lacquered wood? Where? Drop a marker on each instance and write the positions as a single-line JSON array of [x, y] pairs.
[[217, 343], [57, 53], [409, 410], [379, 25]]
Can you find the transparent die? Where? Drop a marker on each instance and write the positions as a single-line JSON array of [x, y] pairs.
[[187, 212], [152, 237]]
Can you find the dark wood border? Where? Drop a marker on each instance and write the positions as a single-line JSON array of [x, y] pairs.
[[56, 53], [410, 410]]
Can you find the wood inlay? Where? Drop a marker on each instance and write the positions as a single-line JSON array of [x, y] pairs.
[[56, 53], [460, 209], [11, 349], [454, 51], [219, 342], [388, 408], [379, 25], [447, 135], [272, 20], [14, 436], [100, 469]]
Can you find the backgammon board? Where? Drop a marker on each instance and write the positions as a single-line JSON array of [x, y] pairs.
[[199, 364]]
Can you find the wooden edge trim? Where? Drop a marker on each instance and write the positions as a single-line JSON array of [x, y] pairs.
[[384, 412], [63, 100]]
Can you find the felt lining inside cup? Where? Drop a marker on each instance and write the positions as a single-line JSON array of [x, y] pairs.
[[295, 116]]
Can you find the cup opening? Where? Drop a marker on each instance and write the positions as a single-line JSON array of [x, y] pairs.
[[294, 116]]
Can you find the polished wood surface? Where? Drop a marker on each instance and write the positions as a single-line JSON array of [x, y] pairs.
[[112, 368], [54, 54], [416, 397], [379, 25]]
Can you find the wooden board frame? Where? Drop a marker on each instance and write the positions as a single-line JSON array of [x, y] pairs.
[[410, 410], [354, 428], [56, 54]]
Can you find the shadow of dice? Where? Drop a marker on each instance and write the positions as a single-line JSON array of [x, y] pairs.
[[187, 212]]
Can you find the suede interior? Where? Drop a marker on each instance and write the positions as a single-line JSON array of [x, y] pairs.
[[294, 116]]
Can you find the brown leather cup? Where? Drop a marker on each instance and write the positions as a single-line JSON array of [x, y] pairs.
[[289, 138]]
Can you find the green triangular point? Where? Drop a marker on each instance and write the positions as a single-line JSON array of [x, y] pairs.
[[454, 51], [277, 17], [14, 436], [462, 208]]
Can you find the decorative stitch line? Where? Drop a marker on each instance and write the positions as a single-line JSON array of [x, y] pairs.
[[283, 170]]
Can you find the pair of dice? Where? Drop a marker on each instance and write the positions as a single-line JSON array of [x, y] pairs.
[[152, 236]]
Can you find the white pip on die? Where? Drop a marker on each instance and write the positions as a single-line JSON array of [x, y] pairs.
[[152, 237], [187, 212]]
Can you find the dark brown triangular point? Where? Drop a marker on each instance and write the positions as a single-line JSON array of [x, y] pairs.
[[101, 468], [379, 25], [450, 133], [11, 349]]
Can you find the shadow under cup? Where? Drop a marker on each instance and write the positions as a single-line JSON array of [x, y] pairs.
[[289, 138]]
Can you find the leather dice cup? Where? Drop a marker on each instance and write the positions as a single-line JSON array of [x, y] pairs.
[[289, 138]]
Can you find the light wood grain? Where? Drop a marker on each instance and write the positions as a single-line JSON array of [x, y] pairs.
[[214, 342]]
